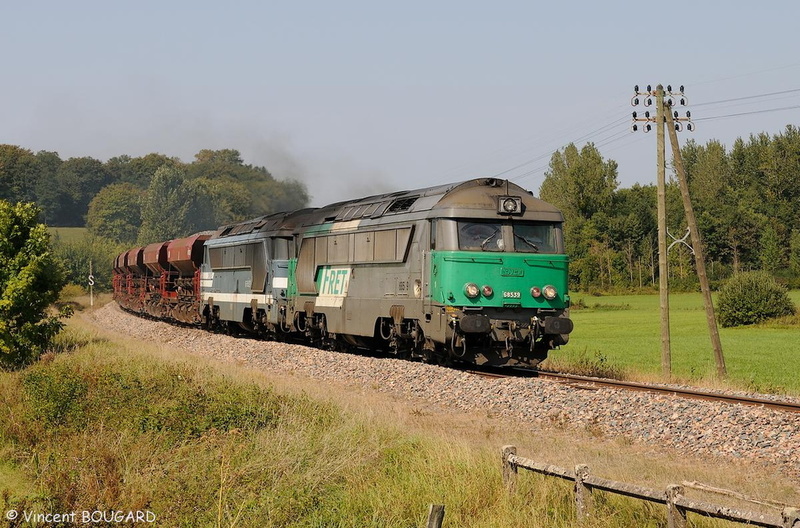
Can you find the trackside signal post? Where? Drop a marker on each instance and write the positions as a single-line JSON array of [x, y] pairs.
[[664, 115]]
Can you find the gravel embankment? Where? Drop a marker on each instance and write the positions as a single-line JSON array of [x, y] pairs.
[[705, 428]]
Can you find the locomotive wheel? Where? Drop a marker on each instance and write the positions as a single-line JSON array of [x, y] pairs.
[[434, 353]]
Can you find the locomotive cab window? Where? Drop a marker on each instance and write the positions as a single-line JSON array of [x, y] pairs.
[[480, 236], [541, 237]]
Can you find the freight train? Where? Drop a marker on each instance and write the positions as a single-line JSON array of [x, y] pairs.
[[471, 272]]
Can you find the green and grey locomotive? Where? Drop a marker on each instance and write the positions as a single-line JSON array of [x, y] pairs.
[[474, 272]]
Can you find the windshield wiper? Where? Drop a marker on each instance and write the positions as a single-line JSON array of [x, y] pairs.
[[487, 239], [531, 244]]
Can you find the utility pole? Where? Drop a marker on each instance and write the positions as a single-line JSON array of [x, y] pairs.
[[697, 244], [664, 114], [663, 266]]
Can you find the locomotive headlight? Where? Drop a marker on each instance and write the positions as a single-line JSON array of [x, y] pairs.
[[536, 292], [487, 290], [509, 205], [471, 290], [549, 292]]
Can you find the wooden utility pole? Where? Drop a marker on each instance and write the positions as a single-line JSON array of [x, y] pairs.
[[697, 245], [663, 266]]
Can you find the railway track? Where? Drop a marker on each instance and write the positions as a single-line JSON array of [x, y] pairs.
[[590, 383]]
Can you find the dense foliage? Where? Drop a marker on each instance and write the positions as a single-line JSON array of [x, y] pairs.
[[127, 200], [77, 254], [752, 297], [30, 280], [746, 198], [85, 191]]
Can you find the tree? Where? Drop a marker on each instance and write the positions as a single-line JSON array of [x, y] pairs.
[[48, 192], [266, 194], [18, 174], [794, 252], [77, 254], [30, 280], [173, 207], [138, 171], [115, 213], [580, 183], [771, 251], [80, 179]]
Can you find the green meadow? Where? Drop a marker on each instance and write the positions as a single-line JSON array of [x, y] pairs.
[[622, 333], [68, 235]]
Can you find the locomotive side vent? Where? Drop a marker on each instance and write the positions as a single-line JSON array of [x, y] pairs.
[[404, 204]]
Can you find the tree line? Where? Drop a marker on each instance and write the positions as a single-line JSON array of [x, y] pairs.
[[144, 199], [129, 201], [746, 198]]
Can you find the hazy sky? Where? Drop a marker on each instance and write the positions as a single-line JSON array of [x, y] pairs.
[[355, 98]]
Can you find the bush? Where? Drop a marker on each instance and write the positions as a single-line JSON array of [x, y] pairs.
[[76, 256], [30, 279], [752, 297]]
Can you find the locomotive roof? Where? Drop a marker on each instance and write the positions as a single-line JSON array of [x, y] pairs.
[[450, 200], [276, 222], [471, 198]]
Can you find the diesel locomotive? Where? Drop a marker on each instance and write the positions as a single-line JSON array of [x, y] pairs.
[[472, 272]]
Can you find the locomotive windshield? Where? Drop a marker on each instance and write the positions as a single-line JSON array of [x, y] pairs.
[[480, 236], [517, 237], [536, 238]]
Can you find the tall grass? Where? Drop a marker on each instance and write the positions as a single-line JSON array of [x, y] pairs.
[[102, 427]]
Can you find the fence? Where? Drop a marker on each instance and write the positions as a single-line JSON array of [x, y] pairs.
[[677, 505]]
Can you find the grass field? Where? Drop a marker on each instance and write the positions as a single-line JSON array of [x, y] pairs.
[[68, 235], [123, 425], [624, 332]]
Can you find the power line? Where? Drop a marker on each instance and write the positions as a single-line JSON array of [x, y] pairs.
[[549, 153], [710, 118], [747, 97]]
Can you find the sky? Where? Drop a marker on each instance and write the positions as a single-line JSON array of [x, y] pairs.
[[360, 97]]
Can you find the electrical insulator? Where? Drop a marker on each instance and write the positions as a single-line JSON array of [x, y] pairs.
[[634, 127]]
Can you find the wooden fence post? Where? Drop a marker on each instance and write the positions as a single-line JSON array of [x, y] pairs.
[[509, 469], [583, 493], [676, 516], [790, 517], [435, 516]]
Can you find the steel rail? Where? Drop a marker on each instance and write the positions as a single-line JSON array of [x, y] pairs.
[[585, 382]]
